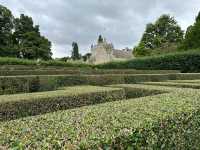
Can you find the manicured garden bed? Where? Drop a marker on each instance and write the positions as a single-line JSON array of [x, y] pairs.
[[22, 105], [165, 121]]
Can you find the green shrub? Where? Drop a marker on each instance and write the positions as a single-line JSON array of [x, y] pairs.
[[181, 85], [166, 121], [188, 61], [184, 81], [77, 72], [140, 90], [144, 78], [21, 105], [17, 61], [26, 84]]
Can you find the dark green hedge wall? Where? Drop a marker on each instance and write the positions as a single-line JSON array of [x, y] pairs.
[[188, 61]]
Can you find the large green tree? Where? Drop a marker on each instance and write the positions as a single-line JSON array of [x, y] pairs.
[[31, 45], [6, 28], [163, 33], [75, 51], [35, 47], [192, 36]]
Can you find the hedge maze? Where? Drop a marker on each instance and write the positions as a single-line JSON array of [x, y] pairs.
[[60, 108]]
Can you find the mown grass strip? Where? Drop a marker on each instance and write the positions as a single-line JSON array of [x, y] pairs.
[[166, 121], [22, 105]]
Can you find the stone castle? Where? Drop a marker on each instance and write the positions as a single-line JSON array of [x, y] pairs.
[[104, 52]]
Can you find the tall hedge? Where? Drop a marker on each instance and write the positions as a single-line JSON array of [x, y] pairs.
[[188, 61]]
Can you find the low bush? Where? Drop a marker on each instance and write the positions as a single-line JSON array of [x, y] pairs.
[[17, 61], [80, 71], [181, 85], [166, 121], [188, 61], [26, 84], [184, 81], [140, 90], [37, 72], [146, 77], [126, 71], [21, 105]]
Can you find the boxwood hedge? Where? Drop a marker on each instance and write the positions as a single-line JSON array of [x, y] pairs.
[[188, 61], [184, 81], [166, 121], [171, 84], [140, 90], [81, 71], [21, 105], [35, 83], [35, 63]]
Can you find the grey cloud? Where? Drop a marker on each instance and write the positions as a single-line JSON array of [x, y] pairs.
[[121, 22]]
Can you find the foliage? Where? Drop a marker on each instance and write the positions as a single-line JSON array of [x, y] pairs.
[[20, 38], [161, 35], [16, 71], [188, 61], [6, 27], [65, 59], [75, 51], [35, 83], [22, 105], [152, 122], [172, 84], [192, 37], [34, 63], [31, 45], [86, 57]]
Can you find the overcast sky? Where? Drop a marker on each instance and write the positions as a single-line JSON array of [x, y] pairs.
[[122, 22]]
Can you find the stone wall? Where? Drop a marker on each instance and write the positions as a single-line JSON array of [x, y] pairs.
[[123, 54]]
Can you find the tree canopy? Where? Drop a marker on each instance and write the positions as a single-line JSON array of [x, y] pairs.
[[192, 36], [6, 27], [31, 44], [75, 51], [164, 32], [20, 38]]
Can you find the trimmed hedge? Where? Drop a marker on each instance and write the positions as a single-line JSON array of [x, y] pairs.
[[27, 67], [27, 84], [184, 81], [22, 105], [188, 61], [17, 61], [140, 90], [166, 121], [180, 85], [80, 71]]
